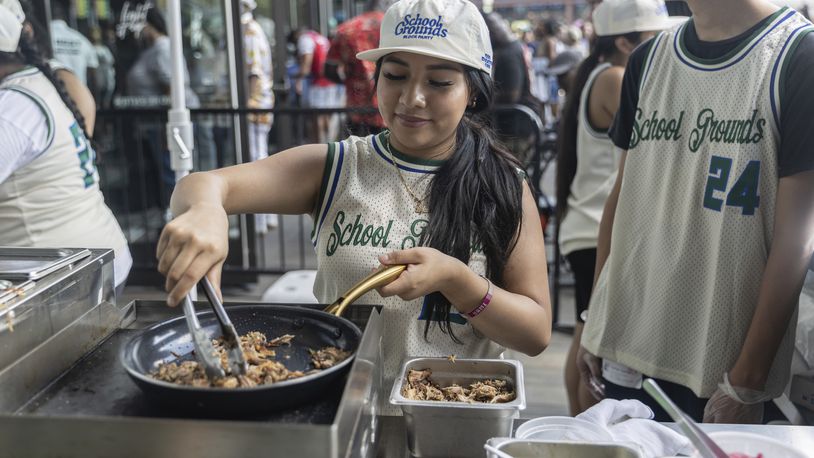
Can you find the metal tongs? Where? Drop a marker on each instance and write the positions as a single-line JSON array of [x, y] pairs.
[[204, 350]]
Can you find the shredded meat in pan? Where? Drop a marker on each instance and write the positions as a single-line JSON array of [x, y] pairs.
[[420, 387], [263, 368], [327, 357]]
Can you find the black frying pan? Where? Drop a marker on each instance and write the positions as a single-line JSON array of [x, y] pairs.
[[313, 329]]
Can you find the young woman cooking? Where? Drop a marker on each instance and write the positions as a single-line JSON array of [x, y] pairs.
[[586, 161], [707, 234], [436, 192]]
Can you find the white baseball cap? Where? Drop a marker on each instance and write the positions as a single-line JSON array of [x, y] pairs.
[[11, 25], [617, 17], [452, 30]]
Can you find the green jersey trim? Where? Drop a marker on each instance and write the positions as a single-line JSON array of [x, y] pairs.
[[736, 54], [403, 161], [42, 106], [648, 61], [330, 180]]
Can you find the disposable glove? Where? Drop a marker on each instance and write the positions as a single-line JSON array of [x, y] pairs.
[[730, 404]]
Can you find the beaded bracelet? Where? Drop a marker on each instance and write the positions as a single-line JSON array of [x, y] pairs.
[[483, 303]]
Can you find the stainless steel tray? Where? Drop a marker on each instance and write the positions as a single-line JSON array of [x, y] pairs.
[[463, 372], [17, 263], [458, 429], [550, 449]]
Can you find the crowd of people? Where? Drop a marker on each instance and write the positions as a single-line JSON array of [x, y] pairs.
[[684, 206]]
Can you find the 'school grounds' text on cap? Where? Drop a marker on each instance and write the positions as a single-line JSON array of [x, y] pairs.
[[452, 30]]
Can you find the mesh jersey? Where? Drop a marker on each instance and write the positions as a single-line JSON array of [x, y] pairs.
[[694, 220], [55, 201], [596, 173], [364, 211]]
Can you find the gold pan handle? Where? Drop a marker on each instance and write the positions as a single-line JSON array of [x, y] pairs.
[[378, 278]]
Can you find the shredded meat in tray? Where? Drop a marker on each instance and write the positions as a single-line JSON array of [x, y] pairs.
[[420, 387], [263, 368]]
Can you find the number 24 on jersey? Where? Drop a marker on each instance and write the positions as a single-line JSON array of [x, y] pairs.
[[743, 193]]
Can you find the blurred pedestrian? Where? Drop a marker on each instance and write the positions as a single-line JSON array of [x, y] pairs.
[[260, 75], [561, 70], [512, 86], [358, 34], [70, 47], [311, 84], [150, 77], [105, 83]]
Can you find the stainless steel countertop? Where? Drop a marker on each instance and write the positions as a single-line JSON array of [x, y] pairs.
[[391, 437], [53, 430]]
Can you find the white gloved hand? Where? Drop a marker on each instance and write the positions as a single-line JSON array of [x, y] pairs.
[[731, 404], [630, 421]]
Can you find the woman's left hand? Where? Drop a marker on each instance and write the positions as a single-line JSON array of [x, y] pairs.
[[428, 271]]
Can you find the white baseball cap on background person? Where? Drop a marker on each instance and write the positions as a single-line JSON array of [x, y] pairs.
[[452, 30], [10, 29], [617, 17]]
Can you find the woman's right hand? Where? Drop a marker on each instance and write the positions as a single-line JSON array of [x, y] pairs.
[[590, 370], [192, 245]]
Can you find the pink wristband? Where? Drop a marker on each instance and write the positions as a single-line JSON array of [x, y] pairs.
[[483, 303]]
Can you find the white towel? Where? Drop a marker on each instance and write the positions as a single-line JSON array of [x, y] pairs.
[[630, 421]]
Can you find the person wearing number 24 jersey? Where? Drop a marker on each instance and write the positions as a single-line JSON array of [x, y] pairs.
[[706, 237]]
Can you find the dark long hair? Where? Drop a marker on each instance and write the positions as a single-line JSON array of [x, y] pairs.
[[603, 48], [28, 53], [475, 197]]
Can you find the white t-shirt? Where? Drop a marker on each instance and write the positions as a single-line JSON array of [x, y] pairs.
[[73, 49], [23, 132], [305, 44]]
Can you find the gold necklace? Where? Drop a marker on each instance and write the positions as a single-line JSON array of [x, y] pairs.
[[421, 206]]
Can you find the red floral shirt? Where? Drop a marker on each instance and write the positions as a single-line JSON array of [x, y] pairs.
[[354, 36]]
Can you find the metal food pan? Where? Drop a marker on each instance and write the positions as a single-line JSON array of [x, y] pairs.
[[560, 449], [34, 263], [439, 428]]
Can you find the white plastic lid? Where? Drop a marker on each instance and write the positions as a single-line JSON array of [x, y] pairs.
[[562, 428]]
